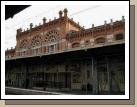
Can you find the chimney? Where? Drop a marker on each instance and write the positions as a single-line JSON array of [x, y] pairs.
[[92, 25], [123, 19], [44, 20], [111, 21], [31, 25], [65, 12], [60, 14]]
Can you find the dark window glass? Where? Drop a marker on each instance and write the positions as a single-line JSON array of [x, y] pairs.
[[119, 37]]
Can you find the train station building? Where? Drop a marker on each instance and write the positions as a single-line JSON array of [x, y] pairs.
[[61, 55]]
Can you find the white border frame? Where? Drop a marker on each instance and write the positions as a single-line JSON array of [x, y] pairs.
[[3, 96]]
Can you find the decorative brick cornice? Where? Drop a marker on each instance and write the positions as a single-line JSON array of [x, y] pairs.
[[95, 30]]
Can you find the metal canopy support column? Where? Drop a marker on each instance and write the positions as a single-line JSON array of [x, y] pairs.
[[26, 75], [57, 77], [95, 81], [109, 75], [44, 77]]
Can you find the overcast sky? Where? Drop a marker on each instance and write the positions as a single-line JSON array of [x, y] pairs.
[[85, 15]]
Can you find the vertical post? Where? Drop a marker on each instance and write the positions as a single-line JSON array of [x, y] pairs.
[[43, 76], [71, 79], [30, 75], [57, 77], [109, 75], [27, 78], [86, 78], [95, 80]]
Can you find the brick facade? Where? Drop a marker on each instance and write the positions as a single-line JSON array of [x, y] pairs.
[[63, 33]]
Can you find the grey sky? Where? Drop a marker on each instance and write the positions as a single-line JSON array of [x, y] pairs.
[[86, 15]]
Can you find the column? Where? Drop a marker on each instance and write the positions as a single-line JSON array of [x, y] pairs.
[[109, 75], [43, 70], [57, 77], [26, 75], [94, 71]]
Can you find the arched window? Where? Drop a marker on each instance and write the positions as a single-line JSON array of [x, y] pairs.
[[119, 37], [36, 41], [74, 45], [100, 40], [51, 36], [24, 44]]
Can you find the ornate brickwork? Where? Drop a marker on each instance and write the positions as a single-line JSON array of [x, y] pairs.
[[63, 34]]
